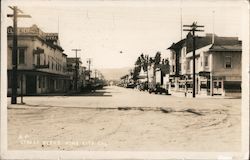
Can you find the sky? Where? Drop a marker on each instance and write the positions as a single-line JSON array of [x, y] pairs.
[[101, 29]]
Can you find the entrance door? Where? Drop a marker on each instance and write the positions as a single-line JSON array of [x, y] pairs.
[[51, 85], [30, 84], [217, 87]]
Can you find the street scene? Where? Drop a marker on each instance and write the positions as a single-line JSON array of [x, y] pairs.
[[124, 76]]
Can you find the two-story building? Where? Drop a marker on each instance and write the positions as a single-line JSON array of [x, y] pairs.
[[217, 65], [41, 62]]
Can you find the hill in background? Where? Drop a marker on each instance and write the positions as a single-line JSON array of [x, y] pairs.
[[114, 73]]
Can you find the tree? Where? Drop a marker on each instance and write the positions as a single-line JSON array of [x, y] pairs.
[[157, 58]]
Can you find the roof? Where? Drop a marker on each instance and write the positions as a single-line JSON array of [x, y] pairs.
[[65, 55], [178, 45], [205, 41], [226, 48], [34, 31]]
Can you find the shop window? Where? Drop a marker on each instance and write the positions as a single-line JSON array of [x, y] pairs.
[[203, 84], [228, 62], [232, 85]]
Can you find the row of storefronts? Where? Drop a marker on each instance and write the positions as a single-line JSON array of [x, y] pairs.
[[217, 67]]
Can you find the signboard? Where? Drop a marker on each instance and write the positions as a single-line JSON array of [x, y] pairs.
[[24, 30], [34, 30], [51, 36]]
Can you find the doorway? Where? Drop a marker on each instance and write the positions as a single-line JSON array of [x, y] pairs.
[[30, 84]]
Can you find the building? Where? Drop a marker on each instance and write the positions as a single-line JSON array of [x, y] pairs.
[[74, 65], [218, 65], [41, 62]]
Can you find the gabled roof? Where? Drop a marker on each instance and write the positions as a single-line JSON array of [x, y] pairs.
[[178, 45]]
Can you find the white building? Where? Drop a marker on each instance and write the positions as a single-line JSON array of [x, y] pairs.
[[41, 62]]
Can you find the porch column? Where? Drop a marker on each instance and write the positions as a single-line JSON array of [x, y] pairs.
[[211, 85]]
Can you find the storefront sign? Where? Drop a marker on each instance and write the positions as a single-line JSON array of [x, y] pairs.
[[51, 36]]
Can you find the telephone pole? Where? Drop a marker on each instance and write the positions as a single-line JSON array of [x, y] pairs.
[[76, 68], [194, 29], [14, 53], [89, 62]]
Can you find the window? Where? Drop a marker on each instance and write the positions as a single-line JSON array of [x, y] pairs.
[[38, 59], [188, 65], [173, 68], [228, 62], [21, 55], [44, 59], [206, 61]]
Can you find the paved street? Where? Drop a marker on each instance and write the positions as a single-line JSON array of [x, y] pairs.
[[125, 119]]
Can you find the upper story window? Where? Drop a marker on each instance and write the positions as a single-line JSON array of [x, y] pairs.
[[206, 61], [21, 55], [188, 65], [228, 61], [38, 59]]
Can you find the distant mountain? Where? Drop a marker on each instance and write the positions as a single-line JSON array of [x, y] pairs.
[[114, 73]]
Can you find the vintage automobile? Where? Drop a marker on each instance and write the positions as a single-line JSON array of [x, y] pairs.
[[158, 89]]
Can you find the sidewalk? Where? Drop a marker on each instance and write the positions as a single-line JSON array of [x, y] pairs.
[[190, 95]]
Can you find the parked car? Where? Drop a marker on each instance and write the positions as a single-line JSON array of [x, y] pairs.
[[143, 86], [130, 85], [158, 89]]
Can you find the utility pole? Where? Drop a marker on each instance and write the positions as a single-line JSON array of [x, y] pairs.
[[194, 29], [95, 73], [76, 68], [147, 63], [89, 62], [14, 54]]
